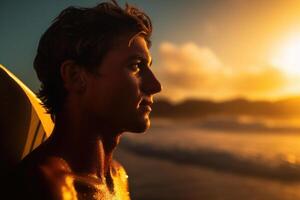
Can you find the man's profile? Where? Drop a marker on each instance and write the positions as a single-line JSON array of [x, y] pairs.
[[96, 82]]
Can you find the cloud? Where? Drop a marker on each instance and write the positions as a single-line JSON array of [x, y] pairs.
[[190, 71], [259, 80], [188, 65]]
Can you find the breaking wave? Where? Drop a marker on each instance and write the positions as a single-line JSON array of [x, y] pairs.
[[232, 124], [258, 166], [238, 126]]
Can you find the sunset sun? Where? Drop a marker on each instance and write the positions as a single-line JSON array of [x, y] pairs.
[[287, 58]]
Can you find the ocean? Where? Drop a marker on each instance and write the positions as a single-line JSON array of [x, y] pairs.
[[215, 158]]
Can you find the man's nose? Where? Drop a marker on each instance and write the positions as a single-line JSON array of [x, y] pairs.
[[150, 84]]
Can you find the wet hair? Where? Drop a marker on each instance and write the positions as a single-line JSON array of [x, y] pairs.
[[83, 35]]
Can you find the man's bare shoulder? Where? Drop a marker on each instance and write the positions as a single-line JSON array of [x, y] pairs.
[[45, 178]]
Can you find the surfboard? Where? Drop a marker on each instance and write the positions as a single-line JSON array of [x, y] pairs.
[[24, 122]]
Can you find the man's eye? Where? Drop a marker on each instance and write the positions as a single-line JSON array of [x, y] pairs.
[[135, 68]]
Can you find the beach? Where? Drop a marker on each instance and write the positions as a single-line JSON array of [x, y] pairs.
[[154, 179], [152, 176]]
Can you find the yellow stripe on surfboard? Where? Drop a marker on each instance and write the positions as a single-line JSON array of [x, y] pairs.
[[37, 133]]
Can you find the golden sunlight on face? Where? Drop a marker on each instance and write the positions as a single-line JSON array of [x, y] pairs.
[[287, 58]]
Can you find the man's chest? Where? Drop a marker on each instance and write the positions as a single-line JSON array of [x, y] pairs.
[[89, 190]]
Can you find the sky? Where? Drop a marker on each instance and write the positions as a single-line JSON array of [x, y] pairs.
[[212, 49]]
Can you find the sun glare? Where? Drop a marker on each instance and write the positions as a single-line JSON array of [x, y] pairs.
[[288, 57]]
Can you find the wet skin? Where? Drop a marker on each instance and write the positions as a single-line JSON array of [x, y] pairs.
[[76, 162]]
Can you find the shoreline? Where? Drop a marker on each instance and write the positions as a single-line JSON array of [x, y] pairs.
[[151, 178]]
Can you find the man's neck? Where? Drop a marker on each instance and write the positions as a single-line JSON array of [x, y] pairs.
[[87, 151]]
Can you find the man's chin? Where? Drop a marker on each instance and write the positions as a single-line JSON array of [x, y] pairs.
[[141, 126]]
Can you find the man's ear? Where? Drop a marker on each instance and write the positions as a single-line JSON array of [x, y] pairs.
[[72, 76]]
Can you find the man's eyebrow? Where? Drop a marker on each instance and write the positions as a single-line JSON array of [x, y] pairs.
[[142, 58]]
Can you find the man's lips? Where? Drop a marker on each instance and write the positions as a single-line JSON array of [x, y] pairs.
[[145, 108], [145, 105]]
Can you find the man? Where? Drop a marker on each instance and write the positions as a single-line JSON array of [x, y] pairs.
[[94, 66]]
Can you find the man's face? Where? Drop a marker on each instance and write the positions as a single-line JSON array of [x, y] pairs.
[[120, 96]]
